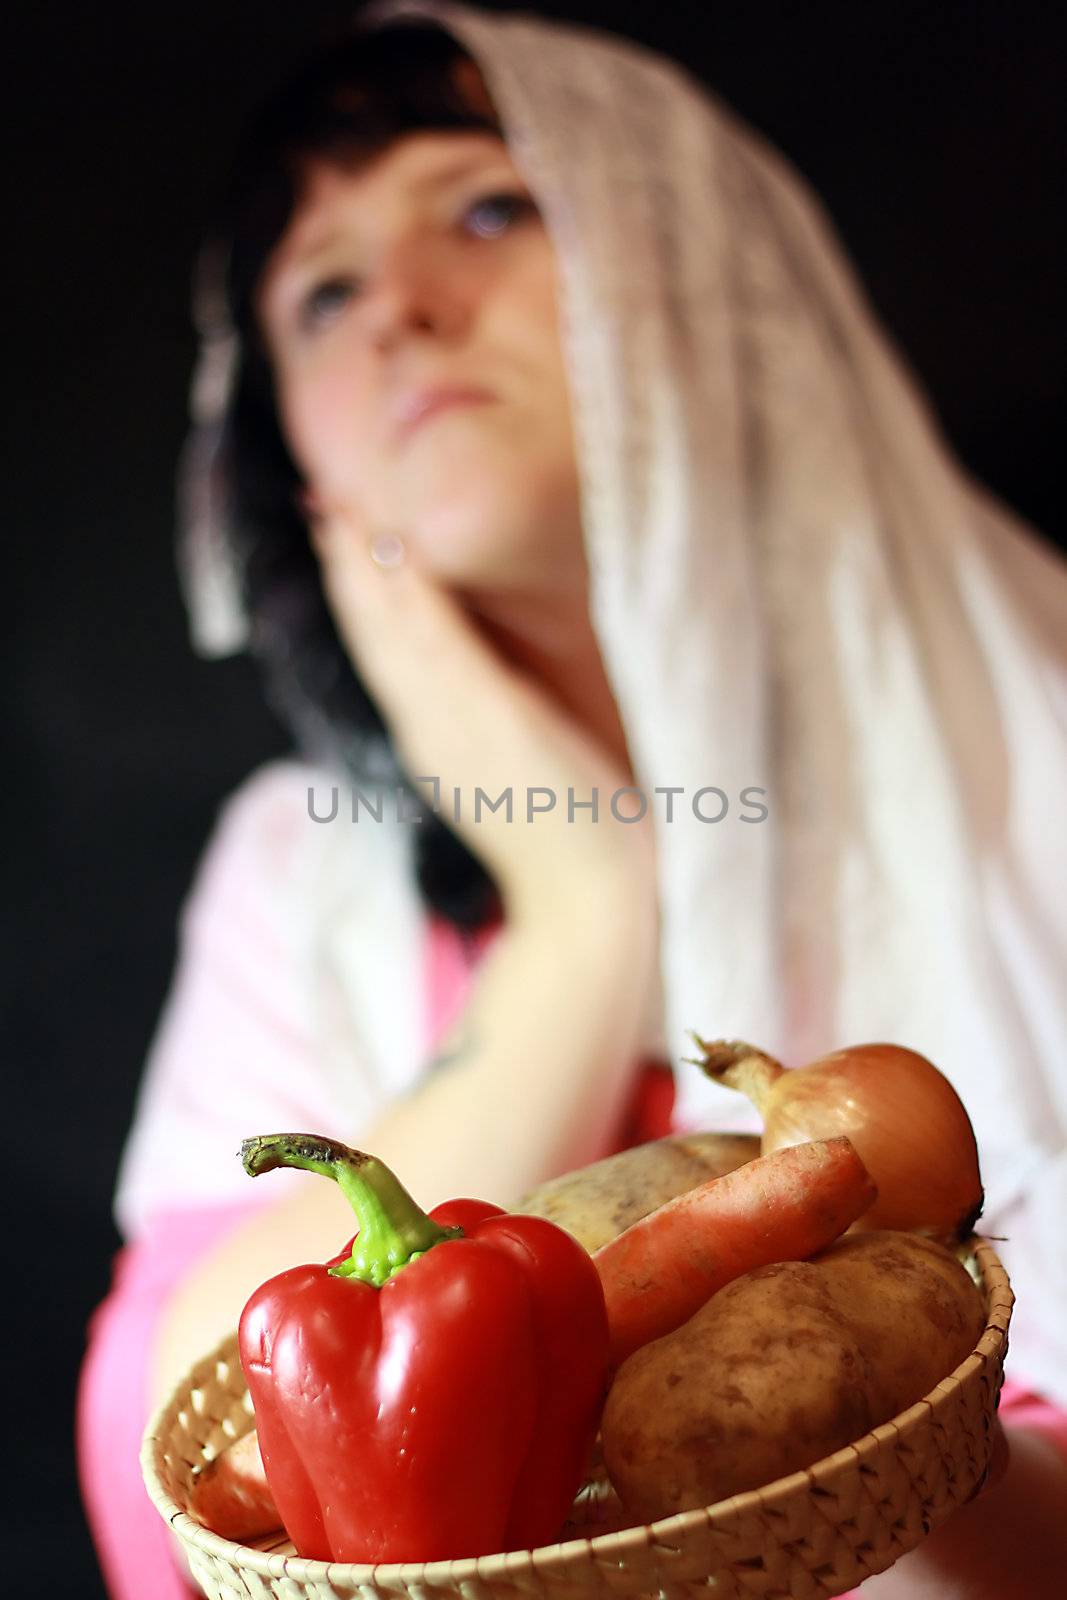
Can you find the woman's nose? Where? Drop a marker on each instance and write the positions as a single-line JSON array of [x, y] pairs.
[[415, 290]]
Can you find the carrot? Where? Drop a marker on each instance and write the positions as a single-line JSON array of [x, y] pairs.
[[780, 1207], [231, 1496]]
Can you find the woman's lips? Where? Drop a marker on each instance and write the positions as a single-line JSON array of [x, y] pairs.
[[418, 407]]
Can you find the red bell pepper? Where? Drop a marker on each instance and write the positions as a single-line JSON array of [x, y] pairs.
[[432, 1392]]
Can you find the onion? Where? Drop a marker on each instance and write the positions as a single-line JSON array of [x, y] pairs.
[[906, 1121]]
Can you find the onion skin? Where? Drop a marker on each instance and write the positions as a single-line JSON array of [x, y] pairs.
[[906, 1121]]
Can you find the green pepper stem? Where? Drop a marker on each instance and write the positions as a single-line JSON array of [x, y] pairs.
[[393, 1228]]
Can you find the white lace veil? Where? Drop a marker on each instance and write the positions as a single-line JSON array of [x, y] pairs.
[[796, 588]]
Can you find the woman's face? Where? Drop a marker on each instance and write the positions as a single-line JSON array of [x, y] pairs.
[[429, 269]]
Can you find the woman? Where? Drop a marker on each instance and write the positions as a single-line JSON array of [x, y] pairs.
[[686, 530]]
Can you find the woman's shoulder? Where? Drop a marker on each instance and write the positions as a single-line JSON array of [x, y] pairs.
[[274, 793], [282, 844], [261, 841]]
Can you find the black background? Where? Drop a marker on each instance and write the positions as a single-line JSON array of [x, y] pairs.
[[932, 131]]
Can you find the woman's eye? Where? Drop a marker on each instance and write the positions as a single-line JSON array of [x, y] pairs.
[[488, 217], [323, 302], [494, 214]]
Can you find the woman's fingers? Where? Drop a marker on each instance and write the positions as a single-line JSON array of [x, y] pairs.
[[484, 733], [433, 677]]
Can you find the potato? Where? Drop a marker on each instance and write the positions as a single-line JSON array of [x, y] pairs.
[[913, 1307], [596, 1203], [784, 1366]]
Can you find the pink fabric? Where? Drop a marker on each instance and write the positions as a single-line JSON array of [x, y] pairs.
[[1021, 1407], [131, 1540]]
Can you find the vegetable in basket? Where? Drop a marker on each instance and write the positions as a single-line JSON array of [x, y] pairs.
[[231, 1495], [658, 1272], [906, 1120], [432, 1392], [599, 1201], [780, 1207], [784, 1366]]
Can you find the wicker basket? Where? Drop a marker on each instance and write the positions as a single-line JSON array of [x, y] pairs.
[[813, 1534]]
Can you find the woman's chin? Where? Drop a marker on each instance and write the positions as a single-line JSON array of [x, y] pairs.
[[499, 529], [471, 543]]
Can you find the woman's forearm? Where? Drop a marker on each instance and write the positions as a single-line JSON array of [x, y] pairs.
[[529, 1082]]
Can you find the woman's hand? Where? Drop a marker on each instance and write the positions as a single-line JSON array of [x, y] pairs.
[[458, 712]]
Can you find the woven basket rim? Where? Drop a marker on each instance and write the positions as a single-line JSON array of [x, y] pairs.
[[398, 1575]]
